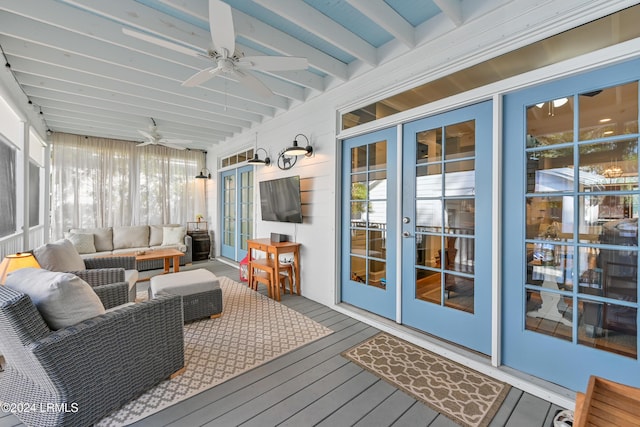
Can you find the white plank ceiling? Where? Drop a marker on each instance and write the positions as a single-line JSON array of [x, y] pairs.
[[73, 61]]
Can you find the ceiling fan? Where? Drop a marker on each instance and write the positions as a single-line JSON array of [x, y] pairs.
[[228, 61], [154, 138]]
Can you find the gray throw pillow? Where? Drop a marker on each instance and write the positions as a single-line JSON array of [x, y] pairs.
[[63, 299], [173, 235], [135, 236], [59, 256], [83, 242]]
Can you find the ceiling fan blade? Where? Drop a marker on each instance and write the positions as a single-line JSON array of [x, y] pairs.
[[202, 76], [174, 146], [274, 63], [146, 135], [221, 27], [145, 143], [253, 83], [175, 141], [160, 42]]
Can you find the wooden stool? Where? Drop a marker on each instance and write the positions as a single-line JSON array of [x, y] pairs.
[[266, 276]]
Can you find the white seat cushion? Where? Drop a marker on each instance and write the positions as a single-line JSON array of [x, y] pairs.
[[184, 282], [131, 276]]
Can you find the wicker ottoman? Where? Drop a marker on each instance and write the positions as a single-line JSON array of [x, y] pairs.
[[200, 291]]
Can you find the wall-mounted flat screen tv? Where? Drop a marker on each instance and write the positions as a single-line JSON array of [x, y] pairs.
[[280, 200]]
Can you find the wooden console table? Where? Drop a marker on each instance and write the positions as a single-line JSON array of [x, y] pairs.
[[276, 249]]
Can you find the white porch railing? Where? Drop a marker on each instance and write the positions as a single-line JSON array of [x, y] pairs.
[[15, 243]]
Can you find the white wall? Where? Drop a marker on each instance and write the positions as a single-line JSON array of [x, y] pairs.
[[518, 23]]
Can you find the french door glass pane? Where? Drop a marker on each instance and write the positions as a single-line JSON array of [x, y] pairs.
[[609, 112], [429, 146], [429, 181], [428, 286], [548, 170], [459, 292], [368, 226], [550, 122], [623, 341], [582, 246], [444, 215], [600, 172], [460, 140], [229, 210]]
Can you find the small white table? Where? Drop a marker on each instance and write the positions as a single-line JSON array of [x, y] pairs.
[[549, 309]]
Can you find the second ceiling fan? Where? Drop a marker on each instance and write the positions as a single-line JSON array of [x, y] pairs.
[[223, 53], [154, 138]]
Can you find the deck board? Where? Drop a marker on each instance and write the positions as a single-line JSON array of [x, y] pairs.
[[331, 402], [315, 385], [388, 411], [293, 404], [364, 403], [530, 411]]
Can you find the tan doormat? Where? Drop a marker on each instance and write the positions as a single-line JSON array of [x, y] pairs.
[[465, 396]]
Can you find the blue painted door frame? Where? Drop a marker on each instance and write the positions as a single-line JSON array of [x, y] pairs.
[[363, 201], [471, 275], [561, 361], [236, 211], [369, 223]]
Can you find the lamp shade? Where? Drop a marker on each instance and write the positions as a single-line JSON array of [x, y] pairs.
[[295, 150], [257, 161], [202, 175], [16, 262]]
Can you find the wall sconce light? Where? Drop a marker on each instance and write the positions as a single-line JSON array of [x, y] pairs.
[[257, 161], [296, 150], [202, 174]]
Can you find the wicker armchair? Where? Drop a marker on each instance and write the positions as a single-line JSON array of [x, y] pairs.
[[91, 368], [103, 271], [112, 294]]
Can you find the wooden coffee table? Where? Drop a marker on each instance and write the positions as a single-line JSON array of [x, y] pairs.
[[164, 254], [151, 254]]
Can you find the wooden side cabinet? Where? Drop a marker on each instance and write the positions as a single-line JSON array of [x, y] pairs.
[[201, 244]]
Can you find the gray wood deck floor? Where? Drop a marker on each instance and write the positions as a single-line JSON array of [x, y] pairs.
[[315, 385]]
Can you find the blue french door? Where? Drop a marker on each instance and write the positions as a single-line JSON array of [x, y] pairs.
[[236, 211], [429, 195], [369, 222], [570, 295], [446, 226]]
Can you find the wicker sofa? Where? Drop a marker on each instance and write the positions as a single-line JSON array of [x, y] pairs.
[[91, 242], [91, 368]]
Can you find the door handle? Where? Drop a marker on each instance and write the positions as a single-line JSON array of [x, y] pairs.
[[406, 234]]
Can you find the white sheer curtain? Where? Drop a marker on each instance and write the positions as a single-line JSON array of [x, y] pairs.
[[98, 182]]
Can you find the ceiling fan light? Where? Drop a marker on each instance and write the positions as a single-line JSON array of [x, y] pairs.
[[560, 102]]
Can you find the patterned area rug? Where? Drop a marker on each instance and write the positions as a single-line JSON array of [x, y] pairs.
[[465, 396], [219, 349]]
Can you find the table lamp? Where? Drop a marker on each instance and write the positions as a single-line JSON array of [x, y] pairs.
[[16, 262]]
